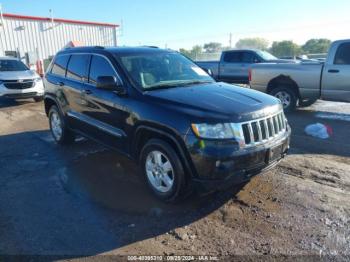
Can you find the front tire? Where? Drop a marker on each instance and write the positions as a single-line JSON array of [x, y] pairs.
[[58, 127], [287, 97], [163, 171]]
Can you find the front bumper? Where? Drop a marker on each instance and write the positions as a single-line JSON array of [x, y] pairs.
[[36, 91], [220, 165]]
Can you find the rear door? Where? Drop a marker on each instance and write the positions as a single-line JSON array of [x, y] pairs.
[[106, 111], [336, 74], [231, 67], [76, 81]]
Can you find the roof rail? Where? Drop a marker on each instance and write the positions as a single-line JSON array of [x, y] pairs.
[[150, 46], [83, 47]]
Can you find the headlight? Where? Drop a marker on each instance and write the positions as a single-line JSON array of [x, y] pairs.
[[38, 79], [218, 131]]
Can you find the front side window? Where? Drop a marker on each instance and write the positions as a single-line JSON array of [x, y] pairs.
[[60, 65], [342, 57], [99, 67], [78, 67], [248, 57], [152, 70], [266, 55], [12, 65]]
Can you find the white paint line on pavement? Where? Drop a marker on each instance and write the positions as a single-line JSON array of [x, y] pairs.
[[333, 116]]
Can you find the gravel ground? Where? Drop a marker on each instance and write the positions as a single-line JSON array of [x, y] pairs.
[[84, 200]]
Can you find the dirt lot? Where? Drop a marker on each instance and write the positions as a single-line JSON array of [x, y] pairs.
[[85, 200]]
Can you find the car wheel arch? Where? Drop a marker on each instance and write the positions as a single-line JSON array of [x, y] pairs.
[[144, 133], [283, 81], [49, 101]]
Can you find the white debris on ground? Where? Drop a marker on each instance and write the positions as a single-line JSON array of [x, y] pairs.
[[318, 130]]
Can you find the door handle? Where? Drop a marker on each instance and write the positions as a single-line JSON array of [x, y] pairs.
[[87, 92], [334, 71]]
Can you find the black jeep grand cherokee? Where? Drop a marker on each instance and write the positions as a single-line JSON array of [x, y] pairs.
[[159, 108]]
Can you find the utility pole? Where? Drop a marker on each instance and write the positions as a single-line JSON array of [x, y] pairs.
[[230, 40], [51, 17]]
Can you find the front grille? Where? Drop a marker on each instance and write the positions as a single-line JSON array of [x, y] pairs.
[[22, 95], [18, 84], [264, 129]]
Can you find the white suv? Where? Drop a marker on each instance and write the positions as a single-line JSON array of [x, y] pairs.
[[18, 81]]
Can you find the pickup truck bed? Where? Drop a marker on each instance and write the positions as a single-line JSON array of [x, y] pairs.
[[303, 83]]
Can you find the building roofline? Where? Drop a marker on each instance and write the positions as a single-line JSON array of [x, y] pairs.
[[47, 19]]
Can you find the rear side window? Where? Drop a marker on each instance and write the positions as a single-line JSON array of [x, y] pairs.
[[60, 65], [100, 67], [78, 67], [233, 57], [342, 57]]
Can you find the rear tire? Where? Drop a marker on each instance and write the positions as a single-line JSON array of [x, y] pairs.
[[287, 96], [163, 171], [58, 127]]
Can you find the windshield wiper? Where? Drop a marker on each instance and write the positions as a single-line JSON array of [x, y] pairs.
[[179, 84]]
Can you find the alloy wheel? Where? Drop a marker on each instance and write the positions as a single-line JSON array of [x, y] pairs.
[[160, 172]]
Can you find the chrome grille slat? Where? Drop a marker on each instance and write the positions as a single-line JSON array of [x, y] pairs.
[[267, 129], [263, 130], [272, 126], [250, 129], [259, 131]]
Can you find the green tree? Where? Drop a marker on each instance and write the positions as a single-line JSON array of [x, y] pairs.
[[316, 46], [193, 53], [212, 47], [185, 52], [255, 43], [285, 48]]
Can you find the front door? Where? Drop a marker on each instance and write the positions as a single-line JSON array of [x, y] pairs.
[[336, 75], [106, 110]]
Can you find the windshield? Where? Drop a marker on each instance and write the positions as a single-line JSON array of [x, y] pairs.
[[266, 55], [12, 65], [162, 70]]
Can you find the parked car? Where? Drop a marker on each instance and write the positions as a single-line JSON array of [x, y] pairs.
[[302, 84], [234, 65], [18, 81], [160, 109]]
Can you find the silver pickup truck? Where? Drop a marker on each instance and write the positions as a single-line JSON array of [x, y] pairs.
[[234, 64], [303, 83]]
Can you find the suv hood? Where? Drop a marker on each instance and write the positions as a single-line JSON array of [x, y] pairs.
[[15, 75], [216, 101]]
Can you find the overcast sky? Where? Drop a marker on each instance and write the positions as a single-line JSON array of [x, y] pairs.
[[184, 23]]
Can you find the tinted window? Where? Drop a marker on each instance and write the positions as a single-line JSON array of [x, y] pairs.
[[12, 65], [78, 67], [60, 65], [248, 57], [99, 67], [161, 69], [233, 57], [342, 56]]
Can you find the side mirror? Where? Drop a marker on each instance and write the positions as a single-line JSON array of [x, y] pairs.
[[110, 83], [209, 72]]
